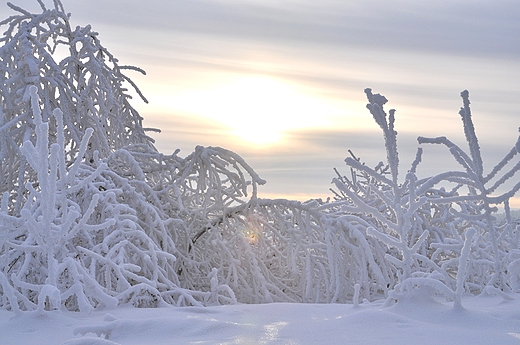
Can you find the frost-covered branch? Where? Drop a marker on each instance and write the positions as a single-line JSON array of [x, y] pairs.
[[426, 229]]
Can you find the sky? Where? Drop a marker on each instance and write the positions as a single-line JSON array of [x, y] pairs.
[[281, 82]]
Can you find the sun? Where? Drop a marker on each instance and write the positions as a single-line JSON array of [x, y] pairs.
[[259, 109], [251, 235], [256, 109]]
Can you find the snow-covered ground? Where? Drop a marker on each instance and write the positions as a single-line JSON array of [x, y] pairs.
[[484, 320]]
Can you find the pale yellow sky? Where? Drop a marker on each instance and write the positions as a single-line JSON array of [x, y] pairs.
[[281, 83]]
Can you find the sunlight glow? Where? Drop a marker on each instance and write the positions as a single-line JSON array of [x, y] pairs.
[[250, 235], [258, 109]]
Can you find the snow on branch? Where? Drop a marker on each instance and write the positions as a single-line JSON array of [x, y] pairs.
[[88, 85], [429, 232], [93, 216]]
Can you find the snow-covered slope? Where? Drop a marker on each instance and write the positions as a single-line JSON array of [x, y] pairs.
[[483, 320]]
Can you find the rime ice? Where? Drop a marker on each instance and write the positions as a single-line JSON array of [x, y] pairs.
[[93, 217]]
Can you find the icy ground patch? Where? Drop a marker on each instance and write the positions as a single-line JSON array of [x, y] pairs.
[[484, 320]]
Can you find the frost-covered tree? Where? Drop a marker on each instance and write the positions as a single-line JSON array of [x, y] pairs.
[[81, 226], [73, 72], [438, 231], [93, 216]]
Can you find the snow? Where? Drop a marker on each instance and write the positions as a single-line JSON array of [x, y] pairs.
[[95, 222], [484, 319]]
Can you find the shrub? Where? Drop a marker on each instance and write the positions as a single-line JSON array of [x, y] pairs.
[[93, 216]]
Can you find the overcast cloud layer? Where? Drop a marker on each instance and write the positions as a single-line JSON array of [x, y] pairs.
[[474, 28], [420, 54]]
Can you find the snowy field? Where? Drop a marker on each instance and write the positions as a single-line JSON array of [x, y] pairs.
[[483, 320], [95, 220]]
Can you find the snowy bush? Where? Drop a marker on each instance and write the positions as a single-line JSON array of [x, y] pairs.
[[72, 246], [87, 85], [437, 231], [93, 216]]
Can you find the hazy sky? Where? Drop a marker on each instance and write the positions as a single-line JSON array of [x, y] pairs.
[[281, 82]]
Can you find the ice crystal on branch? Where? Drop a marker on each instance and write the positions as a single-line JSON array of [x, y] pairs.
[[93, 216], [88, 85], [439, 231]]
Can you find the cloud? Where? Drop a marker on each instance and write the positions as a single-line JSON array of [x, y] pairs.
[[307, 165], [419, 54], [469, 28]]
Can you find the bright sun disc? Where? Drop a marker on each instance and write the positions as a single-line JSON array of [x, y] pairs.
[[256, 109]]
